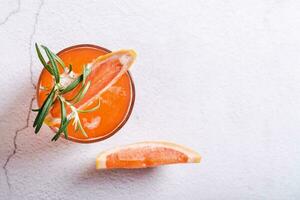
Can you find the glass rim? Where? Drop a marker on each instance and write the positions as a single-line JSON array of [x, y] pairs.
[[126, 117]]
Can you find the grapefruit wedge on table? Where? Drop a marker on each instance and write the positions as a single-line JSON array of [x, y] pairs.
[[105, 71], [146, 154]]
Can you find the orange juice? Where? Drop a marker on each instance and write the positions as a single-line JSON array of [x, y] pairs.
[[115, 103]]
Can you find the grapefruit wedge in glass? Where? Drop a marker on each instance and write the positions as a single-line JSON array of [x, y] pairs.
[[104, 72], [145, 154]]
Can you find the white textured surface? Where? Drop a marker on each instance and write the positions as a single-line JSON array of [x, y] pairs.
[[222, 77]]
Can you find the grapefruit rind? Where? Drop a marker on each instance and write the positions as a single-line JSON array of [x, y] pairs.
[[193, 157]]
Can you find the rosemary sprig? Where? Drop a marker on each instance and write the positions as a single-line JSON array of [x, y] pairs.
[[86, 72], [70, 69], [73, 85], [62, 115], [92, 109], [80, 94], [57, 92], [43, 111], [48, 68], [53, 64]]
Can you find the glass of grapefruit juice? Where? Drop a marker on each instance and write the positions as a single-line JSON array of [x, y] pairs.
[[116, 102]]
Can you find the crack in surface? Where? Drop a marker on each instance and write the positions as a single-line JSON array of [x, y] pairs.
[[15, 146], [31, 40], [11, 13], [15, 141]]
